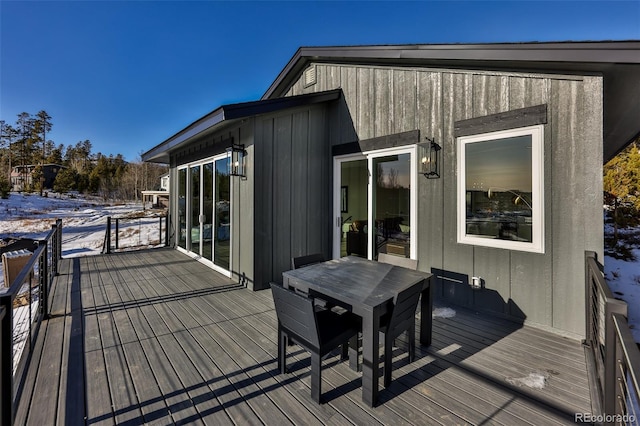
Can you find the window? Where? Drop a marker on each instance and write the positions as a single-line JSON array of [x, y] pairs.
[[500, 189]]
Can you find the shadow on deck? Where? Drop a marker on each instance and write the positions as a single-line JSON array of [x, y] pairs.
[[156, 337]]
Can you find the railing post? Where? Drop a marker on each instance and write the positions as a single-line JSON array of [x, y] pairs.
[[2, 355], [6, 361], [588, 297], [53, 246], [108, 235], [59, 241], [166, 230], [612, 306], [117, 231], [627, 371], [160, 229], [618, 377], [44, 280]]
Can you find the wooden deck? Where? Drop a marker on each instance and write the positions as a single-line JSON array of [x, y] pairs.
[[155, 337]]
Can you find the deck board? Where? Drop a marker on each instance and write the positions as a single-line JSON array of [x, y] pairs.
[[154, 337]]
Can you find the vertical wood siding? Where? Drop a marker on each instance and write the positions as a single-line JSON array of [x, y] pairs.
[[292, 191], [546, 288], [244, 212]]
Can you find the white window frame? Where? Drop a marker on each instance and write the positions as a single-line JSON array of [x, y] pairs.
[[537, 205]]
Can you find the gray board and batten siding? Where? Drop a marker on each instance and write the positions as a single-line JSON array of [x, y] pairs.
[[543, 289], [292, 194], [617, 62], [283, 207]]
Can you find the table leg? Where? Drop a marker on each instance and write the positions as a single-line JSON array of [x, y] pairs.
[[354, 354], [426, 309], [370, 359]]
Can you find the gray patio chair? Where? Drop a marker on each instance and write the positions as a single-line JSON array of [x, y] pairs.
[[310, 259], [319, 332], [402, 318]]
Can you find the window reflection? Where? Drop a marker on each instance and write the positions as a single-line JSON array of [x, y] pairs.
[[195, 208], [499, 188], [392, 204]]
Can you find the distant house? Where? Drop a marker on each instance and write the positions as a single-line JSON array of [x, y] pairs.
[[158, 198], [164, 182], [483, 162], [22, 176]]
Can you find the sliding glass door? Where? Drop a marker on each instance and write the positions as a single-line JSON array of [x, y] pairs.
[[207, 211], [196, 225], [351, 175], [222, 185], [391, 204], [204, 212], [375, 204], [182, 208]]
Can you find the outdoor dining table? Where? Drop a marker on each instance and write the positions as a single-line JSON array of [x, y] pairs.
[[366, 288]]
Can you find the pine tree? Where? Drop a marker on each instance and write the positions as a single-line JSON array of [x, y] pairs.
[[622, 184]]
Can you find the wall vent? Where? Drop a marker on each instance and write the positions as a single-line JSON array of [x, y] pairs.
[[310, 76]]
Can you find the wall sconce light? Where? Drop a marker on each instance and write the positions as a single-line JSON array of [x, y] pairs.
[[237, 157], [429, 159]]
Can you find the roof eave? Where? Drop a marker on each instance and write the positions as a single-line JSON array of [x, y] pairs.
[[227, 114], [607, 58]]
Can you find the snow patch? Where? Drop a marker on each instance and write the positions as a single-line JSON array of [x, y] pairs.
[[535, 380], [622, 277], [444, 313]]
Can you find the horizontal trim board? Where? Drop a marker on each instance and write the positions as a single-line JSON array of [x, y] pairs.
[[345, 149], [198, 152], [507, 120], [390, 141]]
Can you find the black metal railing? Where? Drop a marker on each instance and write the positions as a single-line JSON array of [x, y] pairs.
[[23, 306], [132, 233], [627, 372], [614, 355]]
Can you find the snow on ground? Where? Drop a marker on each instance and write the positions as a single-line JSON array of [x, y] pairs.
[[443, 313], [623, 275], [537, 380], [623, 278], [84, 222]]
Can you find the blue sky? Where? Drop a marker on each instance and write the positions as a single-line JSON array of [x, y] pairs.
[[127, 75]]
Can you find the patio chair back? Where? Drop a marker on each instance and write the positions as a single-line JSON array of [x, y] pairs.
[[319, 332], [296, 314], [310, 259], [404, 309], [403, 318]]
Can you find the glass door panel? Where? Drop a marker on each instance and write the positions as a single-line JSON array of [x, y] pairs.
[[222, 214], [354, 178], [207, 211], [195, 209], [182, 208], [391, 206]]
